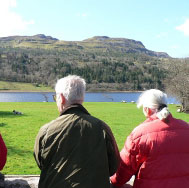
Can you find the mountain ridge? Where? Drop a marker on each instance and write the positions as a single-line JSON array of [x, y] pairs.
[[123, 45]]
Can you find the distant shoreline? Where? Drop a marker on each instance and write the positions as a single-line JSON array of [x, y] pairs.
[[28, 91]]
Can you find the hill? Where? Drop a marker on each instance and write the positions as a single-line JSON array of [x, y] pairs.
[[123, 45], [99, 42], [106, 63]]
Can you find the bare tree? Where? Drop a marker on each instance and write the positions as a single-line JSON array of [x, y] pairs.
[[45, 96], [177, 81]]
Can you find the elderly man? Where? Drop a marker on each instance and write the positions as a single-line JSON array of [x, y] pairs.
[[75, 150]]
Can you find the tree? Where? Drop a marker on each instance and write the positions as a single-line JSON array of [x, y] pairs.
[[177, 81]]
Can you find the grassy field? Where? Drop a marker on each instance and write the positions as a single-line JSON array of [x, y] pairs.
[[18, 86], [19, 132]]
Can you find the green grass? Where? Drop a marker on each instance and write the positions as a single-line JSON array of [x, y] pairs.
[[19, 86], [19, 132]]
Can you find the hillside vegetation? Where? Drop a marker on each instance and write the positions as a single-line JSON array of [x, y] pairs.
[[106, 63]]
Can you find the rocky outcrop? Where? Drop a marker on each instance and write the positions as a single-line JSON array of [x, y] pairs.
[[22, 181]]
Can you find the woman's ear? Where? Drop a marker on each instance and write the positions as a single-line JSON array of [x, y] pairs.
[[147, 111]]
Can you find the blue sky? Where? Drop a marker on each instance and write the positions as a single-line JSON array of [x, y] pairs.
[[161, 25]]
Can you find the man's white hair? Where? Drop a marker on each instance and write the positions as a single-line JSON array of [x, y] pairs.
[[155, 100], [72, 87]]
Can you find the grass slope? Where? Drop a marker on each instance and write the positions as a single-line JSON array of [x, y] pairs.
[[18, 86], [19, 132]]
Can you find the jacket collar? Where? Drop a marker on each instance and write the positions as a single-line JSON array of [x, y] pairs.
[[154, 117], [73, 106]]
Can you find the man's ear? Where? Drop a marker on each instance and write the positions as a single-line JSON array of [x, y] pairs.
[[62, 99]]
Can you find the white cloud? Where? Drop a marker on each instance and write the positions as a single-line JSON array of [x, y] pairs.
[[11, 23], [184, 27]]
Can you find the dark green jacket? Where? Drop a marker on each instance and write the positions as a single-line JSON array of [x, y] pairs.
[[76, 150]]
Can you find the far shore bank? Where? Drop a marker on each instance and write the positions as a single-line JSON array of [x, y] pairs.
[[23, 91], [32, 91]]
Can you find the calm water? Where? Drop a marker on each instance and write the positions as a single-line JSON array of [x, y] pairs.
[[89, 97]]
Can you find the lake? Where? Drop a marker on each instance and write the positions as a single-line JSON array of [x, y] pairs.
[[89, 97]]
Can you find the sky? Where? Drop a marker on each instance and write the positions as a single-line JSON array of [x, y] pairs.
[[161, 25]]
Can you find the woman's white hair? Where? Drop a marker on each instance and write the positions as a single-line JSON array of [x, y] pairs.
[[155, 100], [72, 87]]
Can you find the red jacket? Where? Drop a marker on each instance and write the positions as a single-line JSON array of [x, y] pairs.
[[3, 153], [157, 153]]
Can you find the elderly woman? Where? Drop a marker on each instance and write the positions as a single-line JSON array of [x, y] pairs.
[[156, 151], [3, 153]]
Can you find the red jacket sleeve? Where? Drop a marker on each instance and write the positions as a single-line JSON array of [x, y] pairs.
[[130, 162], [3, 153]]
